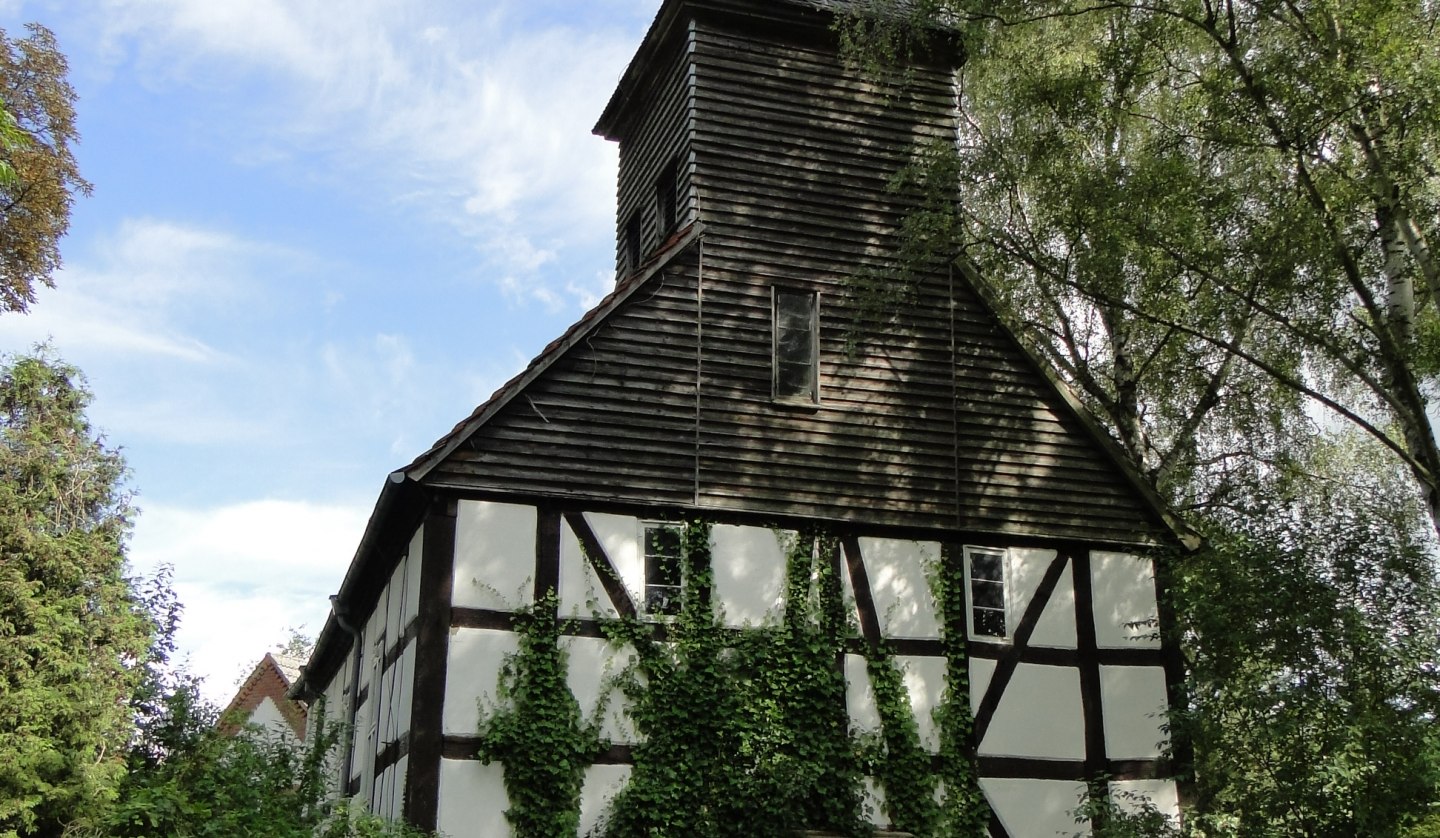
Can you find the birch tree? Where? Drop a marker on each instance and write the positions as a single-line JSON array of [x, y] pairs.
[[1214, 218], [1193, 205]]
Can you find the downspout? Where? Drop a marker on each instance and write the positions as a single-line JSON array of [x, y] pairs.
[[348, 742]]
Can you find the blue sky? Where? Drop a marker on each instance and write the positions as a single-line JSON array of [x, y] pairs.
[[321, 233]]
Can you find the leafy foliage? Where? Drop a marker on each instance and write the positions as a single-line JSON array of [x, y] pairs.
[[1106, 818], [1203, 214], [744, 732], [1214, 219], [71, 629], [38, 173], [537, 732], [1313, 627], [193, 781]]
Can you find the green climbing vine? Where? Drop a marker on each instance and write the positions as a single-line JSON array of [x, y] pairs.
[[744, 732], [965, 812], [536, 731], [895, 756]]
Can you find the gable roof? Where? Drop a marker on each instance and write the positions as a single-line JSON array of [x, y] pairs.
[[271, 678]]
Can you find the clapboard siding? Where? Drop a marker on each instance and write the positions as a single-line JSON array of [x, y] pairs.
[[612, 418], [660, 136], [938, 417]]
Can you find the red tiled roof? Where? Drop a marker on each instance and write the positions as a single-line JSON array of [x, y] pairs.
[[270, 679]]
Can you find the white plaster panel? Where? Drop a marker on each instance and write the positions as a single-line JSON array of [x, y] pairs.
[[860, 696], [981, 670], [395, 605], [602, 783], [1038, 716], [592, 665], [899, 585], [472, 672], [384, 796], [1056, 628], [407, 684], [414, 559], [925, 681], [1036, 808], [620, 536], [494, 555], [472, 799], [1134, 702], [374, 626], [872, 801], [402, 770], [1130, 795], [1124, 593], [581, 594], [749, 573]]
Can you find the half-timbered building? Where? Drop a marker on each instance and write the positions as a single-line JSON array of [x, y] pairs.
[[725, 380]]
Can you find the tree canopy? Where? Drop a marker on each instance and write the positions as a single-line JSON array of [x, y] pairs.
[[1213, 218], [71, 629], [39, 176]]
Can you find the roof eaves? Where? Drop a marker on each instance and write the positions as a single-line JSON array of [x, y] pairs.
[[579, 331]]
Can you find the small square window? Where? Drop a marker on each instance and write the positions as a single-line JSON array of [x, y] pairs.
[[985, 579], [664, 568], [796, 346]]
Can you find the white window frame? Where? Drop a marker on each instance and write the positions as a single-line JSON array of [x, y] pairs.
[[813, 397], [644, 602], [1007, 584]]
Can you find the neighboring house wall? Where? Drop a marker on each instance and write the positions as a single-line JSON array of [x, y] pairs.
[[262, 702]]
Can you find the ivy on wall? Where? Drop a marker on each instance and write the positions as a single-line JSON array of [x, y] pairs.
[[742, 732], [965, 812], [536, 731]]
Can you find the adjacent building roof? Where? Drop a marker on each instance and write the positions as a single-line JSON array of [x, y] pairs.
[[270, 680]]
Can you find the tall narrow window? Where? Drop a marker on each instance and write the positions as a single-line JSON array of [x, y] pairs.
[[985, 573], [632, 243], [664, 568], [666, 200], [796, 346]]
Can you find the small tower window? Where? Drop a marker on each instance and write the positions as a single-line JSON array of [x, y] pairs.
[[666, 200], [632, 243], [796, 346], [985, 577]]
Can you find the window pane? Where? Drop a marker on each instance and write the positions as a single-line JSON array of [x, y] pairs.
[[989, 623], [662, 599], [987, 594], [795, 361], [792, 380], [664, 573], [987, 566], [662, 556]]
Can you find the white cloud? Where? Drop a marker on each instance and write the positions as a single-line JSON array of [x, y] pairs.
[[137, 292], [246, 573], [480, 120]]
